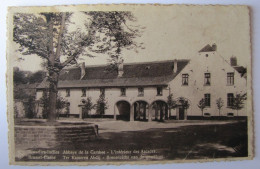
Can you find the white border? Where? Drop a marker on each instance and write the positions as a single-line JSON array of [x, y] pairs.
[[255, 12]]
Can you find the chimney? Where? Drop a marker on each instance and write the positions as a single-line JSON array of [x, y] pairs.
[[120, 68], [233, 61], [214, 47], [83, 71], [175, 67]]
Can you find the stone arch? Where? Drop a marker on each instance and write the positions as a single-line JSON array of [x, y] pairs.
[[159, 110], [140, 110], [122, 110]]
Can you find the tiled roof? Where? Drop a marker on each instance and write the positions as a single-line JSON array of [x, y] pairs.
[[135, 74]]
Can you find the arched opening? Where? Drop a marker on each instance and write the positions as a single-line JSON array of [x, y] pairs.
[[159, 110], [123, 108], [141, 110]]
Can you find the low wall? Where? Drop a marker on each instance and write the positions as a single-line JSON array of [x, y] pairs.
[[53, 136]]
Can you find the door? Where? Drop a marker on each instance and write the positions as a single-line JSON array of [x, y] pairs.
[[181, 113], [84, 113]]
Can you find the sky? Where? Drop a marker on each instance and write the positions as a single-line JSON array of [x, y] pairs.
[[175, 32]]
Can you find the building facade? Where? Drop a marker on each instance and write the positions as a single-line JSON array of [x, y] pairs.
[[140, 91]]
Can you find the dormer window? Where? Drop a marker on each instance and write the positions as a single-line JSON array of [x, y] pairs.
[[207, 79], [159, 91], [83, 93], [123, 91], [67, 92], [185, 79], [140, 91]]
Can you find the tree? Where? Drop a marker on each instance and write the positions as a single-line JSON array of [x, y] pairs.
[[202, 105], [61, 104], [172, 104], [29, 106], [19, 77], [37, 77], [44, 101], [239, 102], [220, 104], [88, 105], [49, 36], [101, 105]]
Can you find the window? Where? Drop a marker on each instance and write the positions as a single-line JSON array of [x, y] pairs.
[[230, 78], [67, 92], [207, 99], [123, 91], [207, 79], [83, 93], [185, 79], [102, 91], [140, 91], [230, 99], [159, 91]]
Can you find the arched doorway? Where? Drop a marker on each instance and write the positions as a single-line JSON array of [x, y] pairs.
[[123, 108], [160, 110], [141, 110]]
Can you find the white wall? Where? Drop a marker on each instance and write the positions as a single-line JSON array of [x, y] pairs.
[[218, 69]]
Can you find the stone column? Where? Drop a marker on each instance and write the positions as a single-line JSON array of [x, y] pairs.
[[177, 113], [115, 112], [132, 113], [150, 113], [80, 112]]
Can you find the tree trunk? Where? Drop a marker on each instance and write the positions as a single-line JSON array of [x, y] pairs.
[[53, 90]]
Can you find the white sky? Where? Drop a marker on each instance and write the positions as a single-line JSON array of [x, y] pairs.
[[178, 32]]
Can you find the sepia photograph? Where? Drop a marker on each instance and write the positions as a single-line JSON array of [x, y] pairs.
[[124, 84]]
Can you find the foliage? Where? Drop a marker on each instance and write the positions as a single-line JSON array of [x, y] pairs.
[[44, 101], [61, 104], [29, 107], [184, 103], [172, 104], [19, 77], [88, 105], [101, 105], [239, 102], [220, 104], [202, 105], [37, 77], [48, 36]]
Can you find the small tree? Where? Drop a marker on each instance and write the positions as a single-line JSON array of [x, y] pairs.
[[171, 103], [88, 105], [220, 104], [101, 105], [60, 104], [202, 105], [238, 102]]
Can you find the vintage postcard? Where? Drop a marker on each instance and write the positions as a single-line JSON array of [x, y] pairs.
[[129, 84]]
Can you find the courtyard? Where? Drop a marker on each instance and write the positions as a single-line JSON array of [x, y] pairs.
[[169, 140]]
